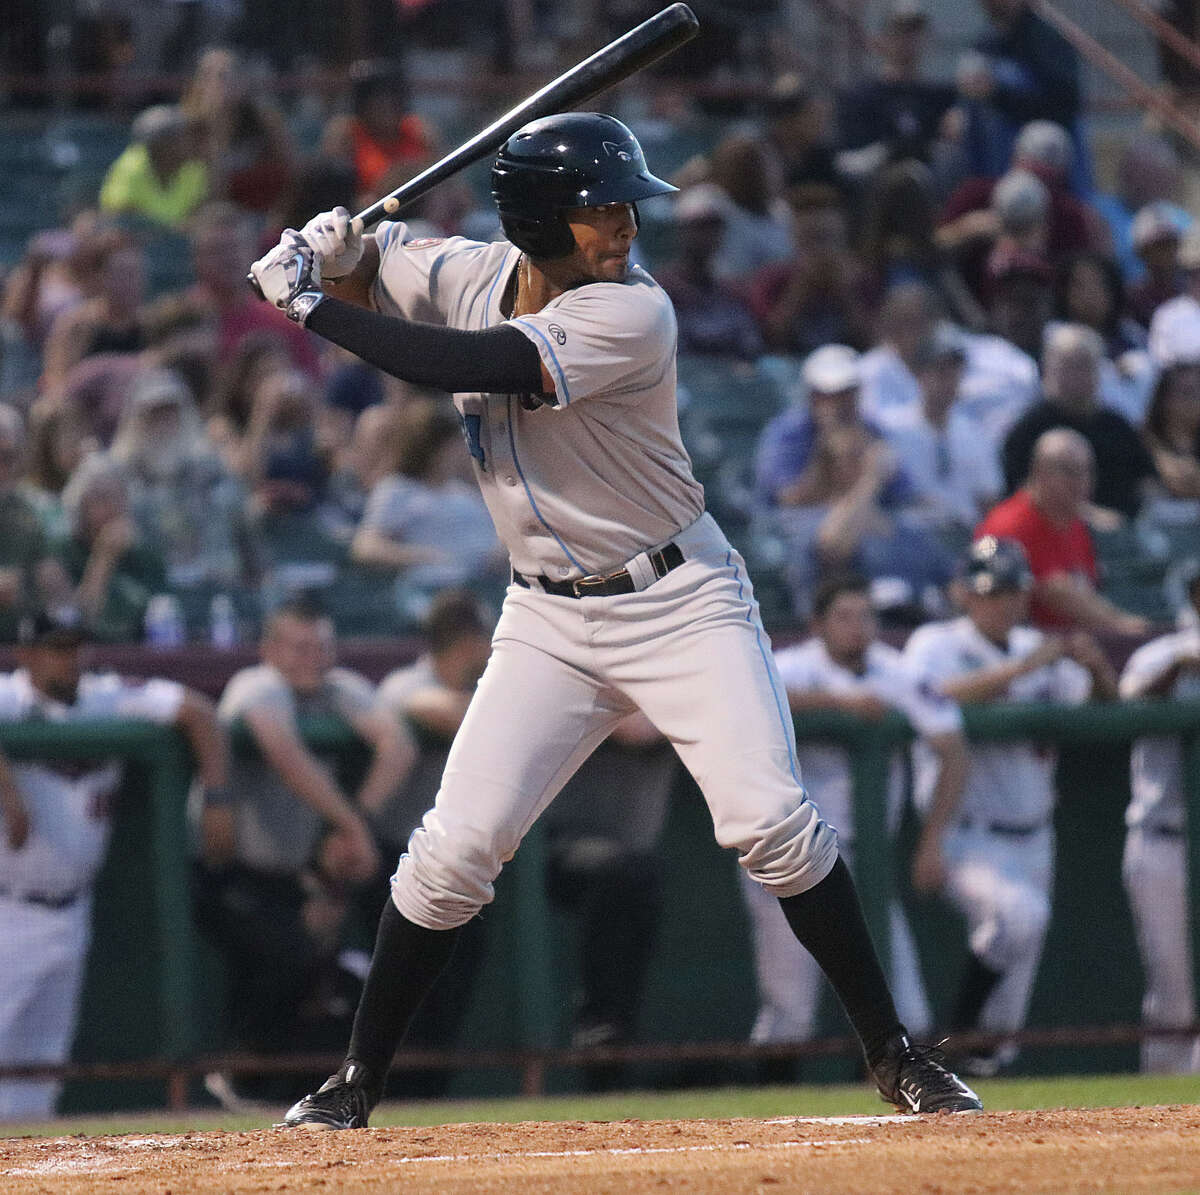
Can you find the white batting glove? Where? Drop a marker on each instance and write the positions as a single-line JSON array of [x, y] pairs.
[[290, 277], [335, 242]]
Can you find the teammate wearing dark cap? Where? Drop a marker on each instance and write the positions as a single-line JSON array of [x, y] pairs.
[[999, 853]]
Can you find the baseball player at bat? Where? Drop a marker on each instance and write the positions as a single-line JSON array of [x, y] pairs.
[[625, 594]]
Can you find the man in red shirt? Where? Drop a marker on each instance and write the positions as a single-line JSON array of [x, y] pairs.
[[1046, 516]]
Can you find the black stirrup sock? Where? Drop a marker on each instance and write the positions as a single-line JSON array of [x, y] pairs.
[[407, 960], [828, 921]]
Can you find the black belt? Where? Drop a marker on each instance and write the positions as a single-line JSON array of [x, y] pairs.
[[47, 900], [1003, 829], [610, 585]]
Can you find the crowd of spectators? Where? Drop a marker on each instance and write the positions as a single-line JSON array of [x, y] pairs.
[[958, 333]]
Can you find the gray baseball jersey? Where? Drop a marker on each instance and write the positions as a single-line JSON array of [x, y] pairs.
[[274, 830], [583, 484], [70, 803], [808, 667], [1154, 763], [1008, 783]]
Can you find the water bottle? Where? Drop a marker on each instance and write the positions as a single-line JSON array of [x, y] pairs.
[[222, 622], [164, 621]]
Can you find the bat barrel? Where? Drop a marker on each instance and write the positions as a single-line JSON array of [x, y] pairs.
[[646, 43]]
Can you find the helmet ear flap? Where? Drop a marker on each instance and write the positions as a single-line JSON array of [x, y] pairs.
[[542, 239]]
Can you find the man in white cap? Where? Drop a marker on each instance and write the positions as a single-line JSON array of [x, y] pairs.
[[1156, 232]]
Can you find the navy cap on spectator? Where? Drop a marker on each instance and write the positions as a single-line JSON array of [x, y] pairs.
[[62, 628], [996, 565]]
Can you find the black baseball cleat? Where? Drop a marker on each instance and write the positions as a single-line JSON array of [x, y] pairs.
[[915, 1079], [341, 1102]]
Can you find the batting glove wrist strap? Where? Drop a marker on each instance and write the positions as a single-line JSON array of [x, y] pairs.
[[303, 305]]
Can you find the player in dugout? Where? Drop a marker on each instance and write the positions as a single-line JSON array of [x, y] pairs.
[[625, 594]]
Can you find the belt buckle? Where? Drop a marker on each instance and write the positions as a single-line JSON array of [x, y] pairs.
[[590, 579]]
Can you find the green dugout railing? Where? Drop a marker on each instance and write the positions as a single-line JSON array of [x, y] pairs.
[[163, 753]]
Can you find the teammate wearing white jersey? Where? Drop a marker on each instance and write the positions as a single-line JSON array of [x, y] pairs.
[[56, 818], [999, 853], [844, 666], [1155, 866], [625, 594]]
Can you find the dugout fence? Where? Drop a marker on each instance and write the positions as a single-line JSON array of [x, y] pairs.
[[148, 993]]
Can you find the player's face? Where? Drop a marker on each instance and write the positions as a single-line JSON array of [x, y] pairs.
[[848, 627], [54, 671], [603, 236], [995, 614], [302, 650]]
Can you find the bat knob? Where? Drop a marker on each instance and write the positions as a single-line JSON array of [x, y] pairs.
[[258, 290]]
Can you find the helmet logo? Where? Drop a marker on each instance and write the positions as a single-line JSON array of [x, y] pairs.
[[614, 150]]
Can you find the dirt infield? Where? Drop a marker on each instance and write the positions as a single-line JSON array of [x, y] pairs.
[[1118, 1150]]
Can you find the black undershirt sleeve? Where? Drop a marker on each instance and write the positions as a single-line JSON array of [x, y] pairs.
[[493, 361]]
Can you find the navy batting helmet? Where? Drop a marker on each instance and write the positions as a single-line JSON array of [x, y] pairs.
[[576, 159], [994, 565]]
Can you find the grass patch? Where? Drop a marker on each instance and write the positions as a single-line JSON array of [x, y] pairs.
[[1070, 1091]]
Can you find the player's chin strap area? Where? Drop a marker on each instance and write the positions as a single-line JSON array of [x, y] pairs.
[[639, 573]]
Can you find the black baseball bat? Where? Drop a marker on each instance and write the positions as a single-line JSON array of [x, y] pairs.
[[631, 52]]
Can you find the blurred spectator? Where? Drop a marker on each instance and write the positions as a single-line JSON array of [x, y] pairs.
[[999, 380], [758, 221], [240, 133], [1021, 206], [223, 242], [95, 391], [59, 438], [1156, 237], [1148, 176], [954, 473], [1022, 70], [1155, 867], [838, 488], [256, 356], [1071, 388], [109, 320], [424, 521], [29, 575], [1172, 429], [972, 218], [1046, 517], [380, 132], [161, 176], [1089, 293], [281, 439], [890, 394], [1175, 326], [274, 902], [56, 824], [713, 316], [799, 130], [363, 462], [817, 296], [186, 505], [897, 113], [898, 243], [845, 666], [1021, 301], [997, 854], [114, 574]]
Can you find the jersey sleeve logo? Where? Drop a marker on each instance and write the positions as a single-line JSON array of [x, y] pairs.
[[423, 242], [558, 332]]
